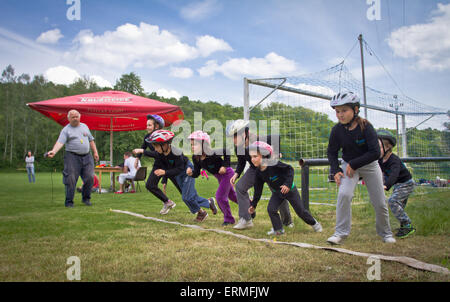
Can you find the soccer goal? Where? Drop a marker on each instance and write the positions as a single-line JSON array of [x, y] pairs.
[[301, 105]]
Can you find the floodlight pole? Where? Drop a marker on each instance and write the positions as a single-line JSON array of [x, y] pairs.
[[360, 38], [246, 101], [404, 143]]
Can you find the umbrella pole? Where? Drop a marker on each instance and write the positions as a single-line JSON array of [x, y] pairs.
[[111, 177]]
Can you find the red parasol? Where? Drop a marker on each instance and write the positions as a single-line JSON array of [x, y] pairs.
[[109, 111]]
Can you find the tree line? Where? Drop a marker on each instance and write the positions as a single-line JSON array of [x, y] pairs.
[[23, 129]]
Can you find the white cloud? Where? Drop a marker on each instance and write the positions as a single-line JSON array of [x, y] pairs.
[[62, 75], [50, 37], [206, 45], [168, 93], [371, 72], [100, 81], [65, 76], [200, 10], [181, 72], [271, 65], [145, 45], [209, 69], [428, 43]]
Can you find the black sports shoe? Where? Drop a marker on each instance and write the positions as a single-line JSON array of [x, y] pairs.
[[87, 202], [69, 205], [405, 231]]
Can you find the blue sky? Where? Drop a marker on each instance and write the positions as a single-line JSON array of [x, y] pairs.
[[203, 49]]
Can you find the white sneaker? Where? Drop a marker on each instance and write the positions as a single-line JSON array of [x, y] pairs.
[[167, 206], [243, 224], [389, 239], [291, 225], [272, 232], [317, 227], [334, 239]]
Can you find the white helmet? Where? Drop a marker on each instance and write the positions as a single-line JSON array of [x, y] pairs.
[[345, 98], [236, 126]]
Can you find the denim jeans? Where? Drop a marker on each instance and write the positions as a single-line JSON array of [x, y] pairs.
[[74, 167], [30, 171], [189, 193]]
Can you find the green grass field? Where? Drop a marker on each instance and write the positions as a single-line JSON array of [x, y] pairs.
[[38, 234]]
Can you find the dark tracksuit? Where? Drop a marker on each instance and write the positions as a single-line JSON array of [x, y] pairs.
[[153, 180], [247, 180], [276, 176]]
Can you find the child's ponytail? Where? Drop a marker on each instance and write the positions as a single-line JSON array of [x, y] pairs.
[[362, 122]]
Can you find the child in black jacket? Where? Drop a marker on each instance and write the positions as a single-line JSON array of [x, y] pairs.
[[280, 178], [397, 175]]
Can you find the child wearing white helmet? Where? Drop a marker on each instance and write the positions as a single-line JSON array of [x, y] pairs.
[[280, 179], [358, 141], [216, 162], [242, 139]]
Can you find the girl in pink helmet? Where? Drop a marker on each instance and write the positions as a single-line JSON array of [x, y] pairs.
[[216, 162], [171, 162], [280, 179]]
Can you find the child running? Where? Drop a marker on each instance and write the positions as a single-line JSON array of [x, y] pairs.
[[170, 162], [211, 160], [397, 175], [280, 179], [360, 153], [242, 139], [155, 122]]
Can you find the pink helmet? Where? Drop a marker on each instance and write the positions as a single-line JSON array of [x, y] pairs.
[[199, 135], [264, 148]]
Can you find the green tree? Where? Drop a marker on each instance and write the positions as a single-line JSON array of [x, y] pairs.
[[130, 83]]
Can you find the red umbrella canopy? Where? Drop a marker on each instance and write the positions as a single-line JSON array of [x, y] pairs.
[[109, 110]]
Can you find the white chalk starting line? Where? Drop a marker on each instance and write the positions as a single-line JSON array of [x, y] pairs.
[[401, 259]]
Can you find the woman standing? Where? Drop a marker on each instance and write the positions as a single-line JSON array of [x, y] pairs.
[[29, 159]]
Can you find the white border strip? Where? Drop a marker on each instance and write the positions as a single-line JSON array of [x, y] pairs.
[[401, 259]]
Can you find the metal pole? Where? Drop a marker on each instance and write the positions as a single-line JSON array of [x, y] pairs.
[[396, 123], [360, 38], [404, 142], [246, 101], [111, 177], [305, 185]]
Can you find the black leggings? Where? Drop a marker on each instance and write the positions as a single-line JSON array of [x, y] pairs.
[[296, 202], [152, 186]]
